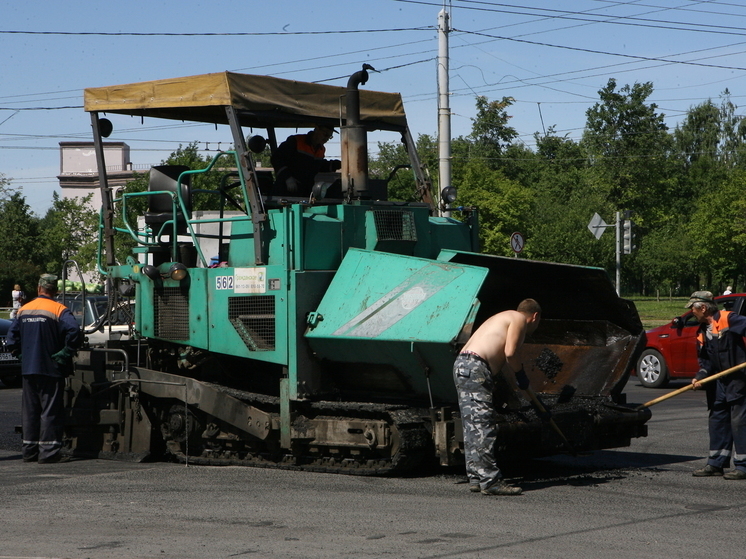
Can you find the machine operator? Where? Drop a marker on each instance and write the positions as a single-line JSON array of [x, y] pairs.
[[298, 159]]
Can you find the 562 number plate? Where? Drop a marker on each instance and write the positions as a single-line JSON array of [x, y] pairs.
[[224, 282]]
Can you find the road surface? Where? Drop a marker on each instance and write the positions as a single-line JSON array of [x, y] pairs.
[[637, 502]]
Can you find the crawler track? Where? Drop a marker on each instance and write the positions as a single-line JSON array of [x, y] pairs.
[[413, 442]]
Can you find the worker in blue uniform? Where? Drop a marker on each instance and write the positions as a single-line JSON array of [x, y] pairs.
[[720, 346], [44, 335]]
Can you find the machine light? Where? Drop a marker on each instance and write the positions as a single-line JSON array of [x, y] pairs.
[[256, 144], [105, 127], [152, 272], [448, 195], [177, 271]]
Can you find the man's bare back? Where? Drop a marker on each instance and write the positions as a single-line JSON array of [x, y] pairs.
[[499, 338]]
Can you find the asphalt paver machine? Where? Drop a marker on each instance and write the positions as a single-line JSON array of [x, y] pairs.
[[320, 332]]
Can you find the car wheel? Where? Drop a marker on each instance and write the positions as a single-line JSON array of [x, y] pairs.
[[652, 370]]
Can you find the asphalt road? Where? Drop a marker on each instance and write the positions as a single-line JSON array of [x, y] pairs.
[[638, 502]]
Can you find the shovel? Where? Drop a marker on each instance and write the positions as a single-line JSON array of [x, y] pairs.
[[539, 406], [691, 386]]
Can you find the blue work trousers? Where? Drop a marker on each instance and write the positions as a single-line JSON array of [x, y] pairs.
[[727, 426], [43, 419]]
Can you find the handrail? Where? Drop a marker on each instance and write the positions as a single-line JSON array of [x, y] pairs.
[[150, 238]]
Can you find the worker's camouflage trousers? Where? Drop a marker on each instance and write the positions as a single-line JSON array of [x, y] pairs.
[[474, 384]]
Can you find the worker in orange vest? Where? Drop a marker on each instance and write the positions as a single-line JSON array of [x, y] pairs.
[[298, 159]]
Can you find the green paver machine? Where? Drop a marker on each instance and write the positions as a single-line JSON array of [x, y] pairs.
[[320, 332]]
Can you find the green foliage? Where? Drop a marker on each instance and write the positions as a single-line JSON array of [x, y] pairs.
[[684, 186], [667, 258], [718, 229], [390, 156], [558, 229], [402, 184], [628, 144], [18, 243], [70, 232], [504, 205], [490, 133]]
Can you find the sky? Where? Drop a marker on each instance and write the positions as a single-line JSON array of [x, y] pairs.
[[551, 57]]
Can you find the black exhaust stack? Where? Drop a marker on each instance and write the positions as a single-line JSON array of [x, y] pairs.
[[355, 139]]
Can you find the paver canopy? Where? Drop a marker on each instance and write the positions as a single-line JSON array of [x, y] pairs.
[[259, 100]]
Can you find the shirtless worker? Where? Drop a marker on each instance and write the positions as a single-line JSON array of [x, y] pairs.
[[492, 348]]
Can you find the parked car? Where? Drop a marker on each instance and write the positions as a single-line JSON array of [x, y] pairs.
[[670, 351], [10, 367], [118, 327]]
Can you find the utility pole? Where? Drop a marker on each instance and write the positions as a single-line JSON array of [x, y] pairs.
[[597, 226], [444, 109], [618, 254]]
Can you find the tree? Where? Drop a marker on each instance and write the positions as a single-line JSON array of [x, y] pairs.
[[718, 230], [667, 259], [504, 205], [69, 230], [733, 133], [18, 242], [490, 133], [628, 145], [561, 211], [5, 188], [391, 155], [699, 136]]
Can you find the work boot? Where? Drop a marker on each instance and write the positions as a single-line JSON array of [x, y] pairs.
[[735, 474], [54, 459], [502, 488], [32, 458], [474, 488], [708, 471]]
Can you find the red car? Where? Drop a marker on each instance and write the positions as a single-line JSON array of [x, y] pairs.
[[670, 350]]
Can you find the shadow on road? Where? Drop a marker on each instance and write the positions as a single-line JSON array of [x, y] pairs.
[[599, 467]]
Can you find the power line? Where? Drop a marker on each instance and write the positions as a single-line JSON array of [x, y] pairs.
[[615, 3], [384, 70], [491, 37], [40, 108], [4, 97], [592, 51], [239, 34], [613, 20]]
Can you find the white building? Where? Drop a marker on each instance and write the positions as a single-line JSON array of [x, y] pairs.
[[79, 172]]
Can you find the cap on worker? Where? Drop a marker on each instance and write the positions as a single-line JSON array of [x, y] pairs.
[[700, 297], [48, 282]]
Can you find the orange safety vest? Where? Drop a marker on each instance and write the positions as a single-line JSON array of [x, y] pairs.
[[717, 327], [304, 147]]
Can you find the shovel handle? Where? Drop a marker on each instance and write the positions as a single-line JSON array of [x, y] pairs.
[[691, 386], [542, 409]]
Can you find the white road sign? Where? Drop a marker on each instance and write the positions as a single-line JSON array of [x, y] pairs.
[[597, 226], [516, 242]]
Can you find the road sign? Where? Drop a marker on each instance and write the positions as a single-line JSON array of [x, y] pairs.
[[516, 242], [597, 226]]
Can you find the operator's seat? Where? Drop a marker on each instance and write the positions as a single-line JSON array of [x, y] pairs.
[[160, 206]]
